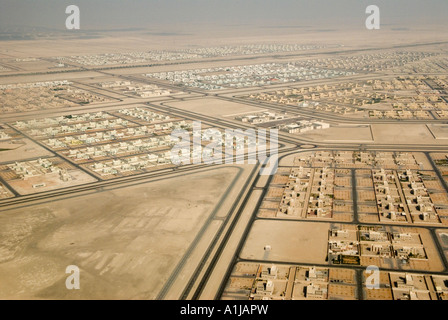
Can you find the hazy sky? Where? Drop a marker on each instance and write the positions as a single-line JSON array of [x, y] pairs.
[[105, 14]]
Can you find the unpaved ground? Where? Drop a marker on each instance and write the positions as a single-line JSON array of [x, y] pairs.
[[126, 242]]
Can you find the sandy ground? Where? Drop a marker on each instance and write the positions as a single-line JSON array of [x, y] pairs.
[[126, 242], [9, 146], [215, 107], [27, 150], [349, 133], [290, 241], [439, 131], [211, 35], [434, 263], [383, 134], [403, 134], [443, 237], [421, 158]]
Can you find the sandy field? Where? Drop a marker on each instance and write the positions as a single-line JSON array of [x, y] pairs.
[[403, 134], [27, 150], [304, 242], [126, 242], [214, 107], [341, 133], [439, 131]]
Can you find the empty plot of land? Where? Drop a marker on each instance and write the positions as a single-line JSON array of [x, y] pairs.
[[290, 241], [126, 242], [403, 134], [439, 131], [215, 107], [358, 133], [24, 149]]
